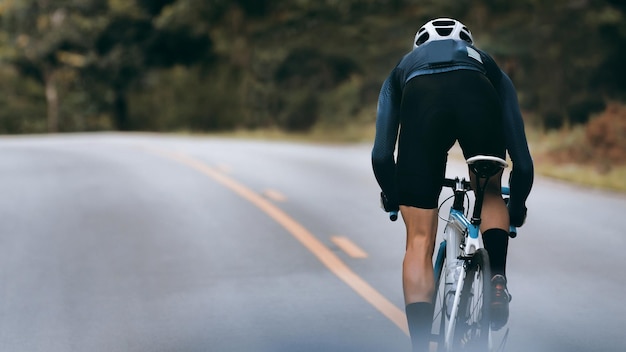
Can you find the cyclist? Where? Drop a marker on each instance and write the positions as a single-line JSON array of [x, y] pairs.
[[442, 91]]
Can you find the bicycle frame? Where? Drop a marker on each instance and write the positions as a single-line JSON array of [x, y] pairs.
[[460, 223], [462, 253], [461, 229]]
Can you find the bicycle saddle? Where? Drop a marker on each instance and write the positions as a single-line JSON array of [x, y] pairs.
[[484, 166]]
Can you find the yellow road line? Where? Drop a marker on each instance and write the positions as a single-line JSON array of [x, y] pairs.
[[224, 168], [275, 195], [349, 247], [307, 239]]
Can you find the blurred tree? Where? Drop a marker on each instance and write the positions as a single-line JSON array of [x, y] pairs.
[[135, 40], [610, 76], [554, 51], [301, 78], [154, 7], [258, 63], [50, 41]]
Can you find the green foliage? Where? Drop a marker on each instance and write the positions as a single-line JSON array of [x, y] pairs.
[[562, 54], [301, 81], [22, 104], [297, 65], [130, 45], [166, 103]]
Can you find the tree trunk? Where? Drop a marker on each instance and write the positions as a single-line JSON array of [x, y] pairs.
[[120, 110], [52, 100]]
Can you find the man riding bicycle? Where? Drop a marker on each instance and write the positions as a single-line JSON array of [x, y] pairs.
[[446, 90]]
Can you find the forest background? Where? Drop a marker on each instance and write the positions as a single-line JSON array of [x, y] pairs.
[[306, 67]]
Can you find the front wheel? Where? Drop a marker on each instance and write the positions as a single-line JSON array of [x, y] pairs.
[[439, 302], [472, 332]]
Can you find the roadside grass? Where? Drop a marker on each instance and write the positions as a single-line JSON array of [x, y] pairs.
[[542, 144], [354, 133], [594, 174], [586, 175]]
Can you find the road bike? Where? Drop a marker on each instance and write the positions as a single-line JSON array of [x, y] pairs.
[[462, 297]]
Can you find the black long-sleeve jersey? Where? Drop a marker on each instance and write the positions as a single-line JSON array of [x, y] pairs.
[[444, 56]]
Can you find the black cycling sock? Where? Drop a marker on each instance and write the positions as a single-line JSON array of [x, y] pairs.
[[420, 318], [497, 243]]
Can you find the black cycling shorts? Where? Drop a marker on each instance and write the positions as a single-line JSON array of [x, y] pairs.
[[437, 110]]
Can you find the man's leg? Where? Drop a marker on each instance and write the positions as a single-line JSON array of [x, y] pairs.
[[494, 227], [494, 213], [417, 268], [479, 128], [495, 224], [417, 273]]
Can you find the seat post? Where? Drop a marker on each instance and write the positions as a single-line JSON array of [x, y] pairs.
[[484, 167]]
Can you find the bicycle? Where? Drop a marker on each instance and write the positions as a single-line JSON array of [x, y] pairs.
[[461, 321]]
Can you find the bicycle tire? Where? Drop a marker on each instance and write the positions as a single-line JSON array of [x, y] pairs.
[[472, 328], [439, 315]]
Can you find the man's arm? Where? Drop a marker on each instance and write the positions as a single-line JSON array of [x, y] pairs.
[[387, 125], [522, 174]]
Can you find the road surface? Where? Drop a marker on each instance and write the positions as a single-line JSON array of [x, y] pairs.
[[141, 242]]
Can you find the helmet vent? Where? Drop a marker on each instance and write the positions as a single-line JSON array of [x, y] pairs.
[[444, 32], [465, 37], [422, 39], [441, 29], [443, 23]]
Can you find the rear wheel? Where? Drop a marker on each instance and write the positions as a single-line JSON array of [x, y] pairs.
[[473, 319]]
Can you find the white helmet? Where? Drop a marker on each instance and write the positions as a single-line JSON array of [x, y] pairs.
[[442, 28]]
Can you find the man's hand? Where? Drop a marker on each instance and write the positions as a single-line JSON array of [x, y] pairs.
[[517, 215], [386, 204]]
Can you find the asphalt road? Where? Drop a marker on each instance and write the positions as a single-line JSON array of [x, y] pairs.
[[142, 242]]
